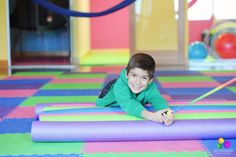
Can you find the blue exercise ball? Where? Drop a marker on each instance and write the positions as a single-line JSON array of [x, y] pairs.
[[197, 50]]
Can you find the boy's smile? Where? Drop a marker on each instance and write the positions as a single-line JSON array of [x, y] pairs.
[[138, 80]]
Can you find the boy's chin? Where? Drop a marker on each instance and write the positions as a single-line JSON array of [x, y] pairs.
[[136, 91]]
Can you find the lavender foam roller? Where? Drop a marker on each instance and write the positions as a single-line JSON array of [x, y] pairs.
[[132, 130]]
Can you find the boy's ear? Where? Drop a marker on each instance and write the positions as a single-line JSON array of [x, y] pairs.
[[126, 75]]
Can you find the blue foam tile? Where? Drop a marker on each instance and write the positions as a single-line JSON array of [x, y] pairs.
[[4, 110], [223, 79], [110, 78], [46, 155], [159, 87], [16, 125], [72, 92], [222, 96], [11, 101], [212, 148], [24, 81], [195, 91], [178, 73]]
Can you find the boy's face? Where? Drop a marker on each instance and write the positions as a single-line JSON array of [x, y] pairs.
[[138, 79]]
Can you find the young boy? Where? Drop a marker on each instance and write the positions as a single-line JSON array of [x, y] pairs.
[[134, 88]]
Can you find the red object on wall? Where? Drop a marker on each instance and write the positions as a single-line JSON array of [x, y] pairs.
[[196, 28], [110, 31], [225, 45]]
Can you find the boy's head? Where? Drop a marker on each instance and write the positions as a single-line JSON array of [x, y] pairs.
[[140, 71], [142, 61]]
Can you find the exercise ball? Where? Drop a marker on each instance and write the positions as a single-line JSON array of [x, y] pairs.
[[197, 50], [225, 45]]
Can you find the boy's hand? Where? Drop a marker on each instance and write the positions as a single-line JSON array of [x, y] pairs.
[[156, 117], [165, 116], [168, 116]]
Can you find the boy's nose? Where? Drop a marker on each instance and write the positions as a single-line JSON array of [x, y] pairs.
[[138, 81]]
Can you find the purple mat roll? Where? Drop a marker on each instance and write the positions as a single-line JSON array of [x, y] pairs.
[[132, 130], [39, 110]]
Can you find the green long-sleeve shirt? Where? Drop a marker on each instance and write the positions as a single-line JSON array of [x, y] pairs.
[[121, 95]]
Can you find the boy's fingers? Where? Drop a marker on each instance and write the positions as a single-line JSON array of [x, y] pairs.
[[165, 117], [169, 114], [168, 117], [162, 120], [168, 122]]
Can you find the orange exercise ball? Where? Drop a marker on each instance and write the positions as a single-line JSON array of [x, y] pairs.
[[225, 45]]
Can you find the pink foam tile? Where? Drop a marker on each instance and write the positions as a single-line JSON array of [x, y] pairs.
[[78, 80], [17, 92], [189, 85], [167, 97], [143, 146], [22, 112]]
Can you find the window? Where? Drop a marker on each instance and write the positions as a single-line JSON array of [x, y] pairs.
[[201, 10], [204, 9], [224, 9]]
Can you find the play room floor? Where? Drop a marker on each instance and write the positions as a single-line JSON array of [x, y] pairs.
[[20, 93]]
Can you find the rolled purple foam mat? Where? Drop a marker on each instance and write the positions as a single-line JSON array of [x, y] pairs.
[[132, 130], [59, 107], [39, 110]]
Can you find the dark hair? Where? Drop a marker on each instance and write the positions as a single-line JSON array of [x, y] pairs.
[[142, 61]]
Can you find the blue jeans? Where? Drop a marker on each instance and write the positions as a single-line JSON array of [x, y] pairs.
[[106, 89]]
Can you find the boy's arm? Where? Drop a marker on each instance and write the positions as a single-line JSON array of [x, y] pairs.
[[155, 99], [152, 116]]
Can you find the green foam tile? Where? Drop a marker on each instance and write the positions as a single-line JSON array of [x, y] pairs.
[[32, 101], [149, 154], [217, 115], [90, 117], [233, 89], [21, 144], [185, 79], [72, 86], [46, 73], [83, 75], [125, 117]]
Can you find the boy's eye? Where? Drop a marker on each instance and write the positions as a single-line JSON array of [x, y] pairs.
[[145, 78]]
